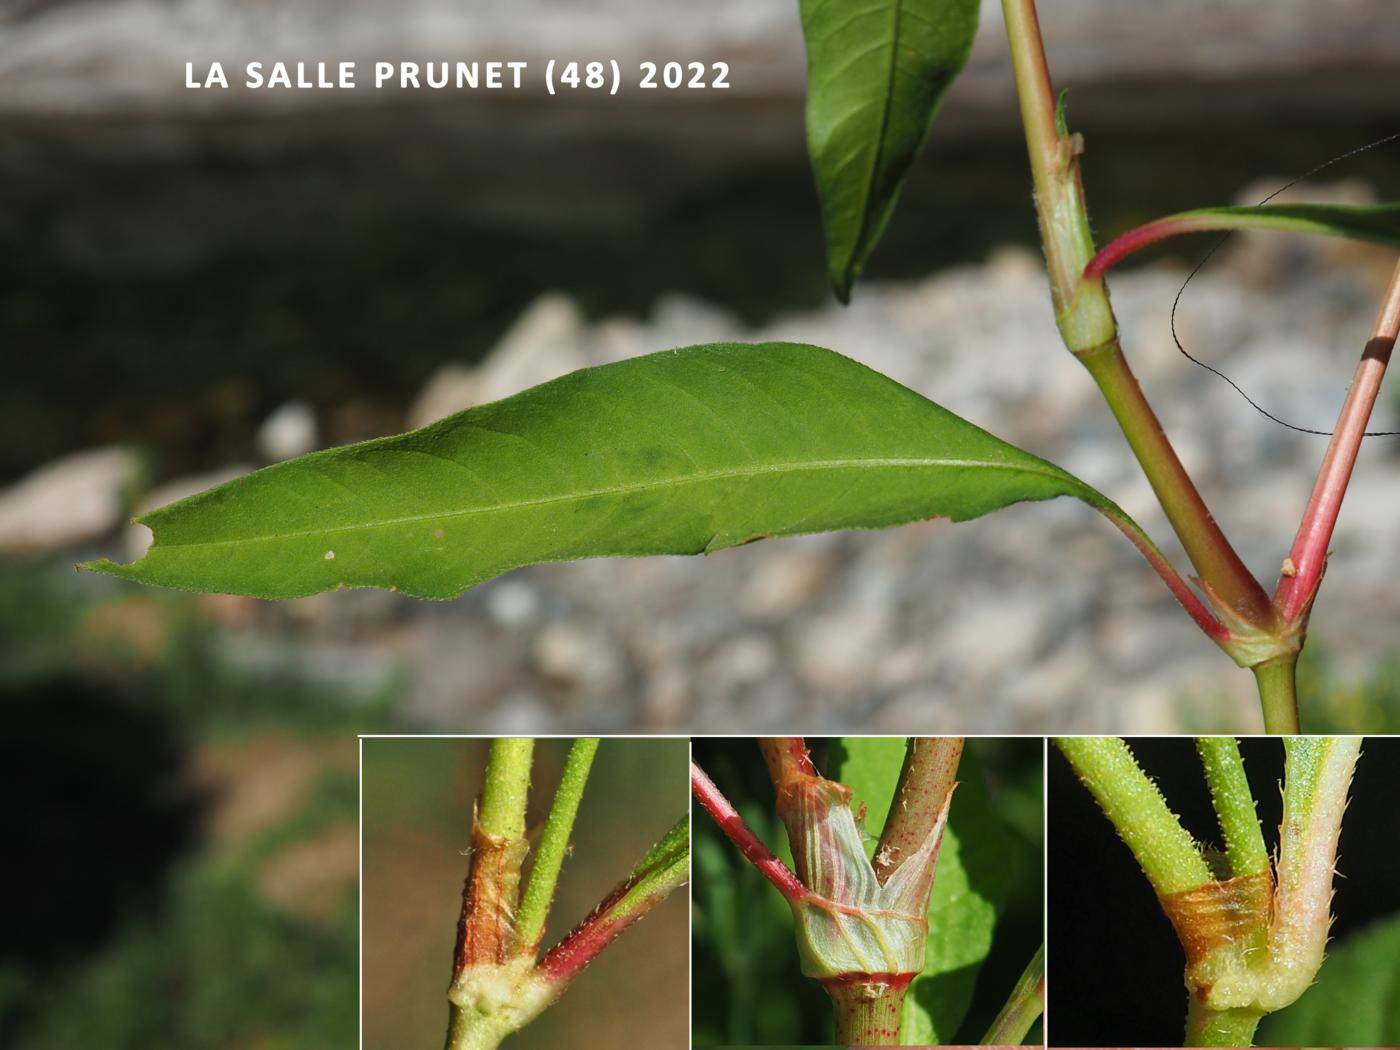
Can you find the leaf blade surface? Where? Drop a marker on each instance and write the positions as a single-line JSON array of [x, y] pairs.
[[877, 72], [682, 452]]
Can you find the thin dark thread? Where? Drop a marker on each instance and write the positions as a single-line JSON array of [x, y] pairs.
[[1216, 247]]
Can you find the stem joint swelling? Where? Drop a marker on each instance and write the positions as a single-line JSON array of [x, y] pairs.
[[1089, 330], [861, 925], [498, 986], [1254, 940]]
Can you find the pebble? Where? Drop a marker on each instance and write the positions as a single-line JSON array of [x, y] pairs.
[[290, 431], [582, 657], [452, 388], [519, 714], [542, 344], [513, 603], [73, 500]]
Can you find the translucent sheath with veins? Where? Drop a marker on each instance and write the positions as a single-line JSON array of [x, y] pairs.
[[848, 924], [861, 931]]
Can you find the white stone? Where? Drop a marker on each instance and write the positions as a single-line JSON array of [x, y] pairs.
[[579, 656], [74, 499], [513, 603], [840, 650], [997, 631], [519, 714], [747, 659], [542, 344], [290, 431], [452, 388], [791, 575]]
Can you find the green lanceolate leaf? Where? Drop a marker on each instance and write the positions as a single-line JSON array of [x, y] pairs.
[[876, 73], [681, 452], [1379, 223], [1355, 1000]]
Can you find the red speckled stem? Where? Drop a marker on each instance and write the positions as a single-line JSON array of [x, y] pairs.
[[739, 833], [929, 774], [868, 1007]]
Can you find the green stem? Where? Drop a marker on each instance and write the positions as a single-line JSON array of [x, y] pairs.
[[486, 933], [1278, 693], [1207, 1027], [1090, 330], [1163, 848], [457, 1027], [1234, 804], [1087, 320], [554, 843], [507, 787], [468, 1029], [1027, 1002], [1210, 552]]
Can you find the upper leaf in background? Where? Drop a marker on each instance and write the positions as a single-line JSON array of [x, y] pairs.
[[1379, 223], [1355, 1000], [876, 73], [680, 452]]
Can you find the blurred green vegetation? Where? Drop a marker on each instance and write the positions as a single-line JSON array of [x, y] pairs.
[[1331, 699], [1335, 702], [187, 830], [747, 986]]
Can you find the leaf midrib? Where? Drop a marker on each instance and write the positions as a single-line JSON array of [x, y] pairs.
[[1044, 470], [887, 107]]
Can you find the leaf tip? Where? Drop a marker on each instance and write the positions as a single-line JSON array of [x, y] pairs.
[[105, 566]]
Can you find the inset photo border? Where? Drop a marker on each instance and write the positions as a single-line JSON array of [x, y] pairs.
[[501, 884]]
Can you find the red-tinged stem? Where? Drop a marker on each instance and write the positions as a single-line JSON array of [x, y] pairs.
[[1179, 587], [661, 871], [586, 941], [930, 772], [1308, 558], [739, 833], [787, 756], [1111, 254]]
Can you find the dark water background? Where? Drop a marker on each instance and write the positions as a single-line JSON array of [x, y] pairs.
[[169, 282]]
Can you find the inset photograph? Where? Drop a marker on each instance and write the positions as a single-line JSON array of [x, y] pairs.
[[1224, 892], [502, 883], [871, 891]]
